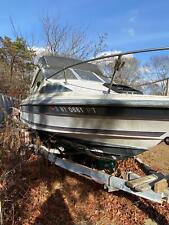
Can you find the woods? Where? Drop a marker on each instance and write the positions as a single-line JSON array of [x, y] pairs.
[[16, 60]]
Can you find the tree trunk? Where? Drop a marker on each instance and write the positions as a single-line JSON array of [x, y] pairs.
[[11, 68]]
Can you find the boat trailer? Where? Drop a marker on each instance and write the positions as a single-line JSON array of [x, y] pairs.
[[153, 186]]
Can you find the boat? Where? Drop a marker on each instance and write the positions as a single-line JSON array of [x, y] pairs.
[[78, 107]]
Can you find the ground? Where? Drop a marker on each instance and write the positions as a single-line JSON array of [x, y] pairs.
[[34, 192], [158, 158]]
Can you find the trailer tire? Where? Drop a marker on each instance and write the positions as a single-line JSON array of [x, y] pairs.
[[166, 140]]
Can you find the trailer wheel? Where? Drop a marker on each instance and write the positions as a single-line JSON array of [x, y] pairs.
[[166, 140]]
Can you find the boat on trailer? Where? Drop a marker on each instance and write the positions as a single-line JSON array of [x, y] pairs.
[[75, 104]]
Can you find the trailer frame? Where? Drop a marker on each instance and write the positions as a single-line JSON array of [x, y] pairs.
[[109, 182]]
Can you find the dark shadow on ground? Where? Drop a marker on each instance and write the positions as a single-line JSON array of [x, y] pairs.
[[29, 176], [54, 209]]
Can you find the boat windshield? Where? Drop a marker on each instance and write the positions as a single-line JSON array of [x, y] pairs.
[[87, 75], [73, 74], [59, 76], [106, 79]]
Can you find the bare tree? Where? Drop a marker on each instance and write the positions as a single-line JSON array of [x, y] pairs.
[[100, 44], [129, 74], [158, 69], [64, 40]]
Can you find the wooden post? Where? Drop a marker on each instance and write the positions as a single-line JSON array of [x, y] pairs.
[[161, 186]]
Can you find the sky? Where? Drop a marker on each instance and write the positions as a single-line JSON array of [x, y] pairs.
[[129, 24]]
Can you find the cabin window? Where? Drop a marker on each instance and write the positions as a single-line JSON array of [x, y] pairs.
[[87, 75], [51, 88]]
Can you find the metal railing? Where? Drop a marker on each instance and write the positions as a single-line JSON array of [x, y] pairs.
[[166, 80]]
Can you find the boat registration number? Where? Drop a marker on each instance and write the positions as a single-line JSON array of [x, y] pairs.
[[76, 109]]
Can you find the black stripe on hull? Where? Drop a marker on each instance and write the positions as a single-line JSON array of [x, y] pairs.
[[132, 113], [113, 100]]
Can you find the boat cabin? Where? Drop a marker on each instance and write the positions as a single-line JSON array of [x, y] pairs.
[[55, 74]]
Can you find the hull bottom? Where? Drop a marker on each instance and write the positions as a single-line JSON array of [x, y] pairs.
[[70, 142]]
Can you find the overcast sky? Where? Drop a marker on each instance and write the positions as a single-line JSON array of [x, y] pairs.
[[130, 24]]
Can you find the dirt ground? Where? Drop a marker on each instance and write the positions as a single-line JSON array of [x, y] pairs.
[[158, 158], [34, 192]]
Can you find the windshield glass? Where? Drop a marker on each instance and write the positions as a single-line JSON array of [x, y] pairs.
[[87, 75], [69, 74], [106, 79]]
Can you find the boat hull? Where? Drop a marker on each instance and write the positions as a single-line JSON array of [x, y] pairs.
[[115, 130]]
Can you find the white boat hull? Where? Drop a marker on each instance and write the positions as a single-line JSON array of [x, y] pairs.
[[130, 134]]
